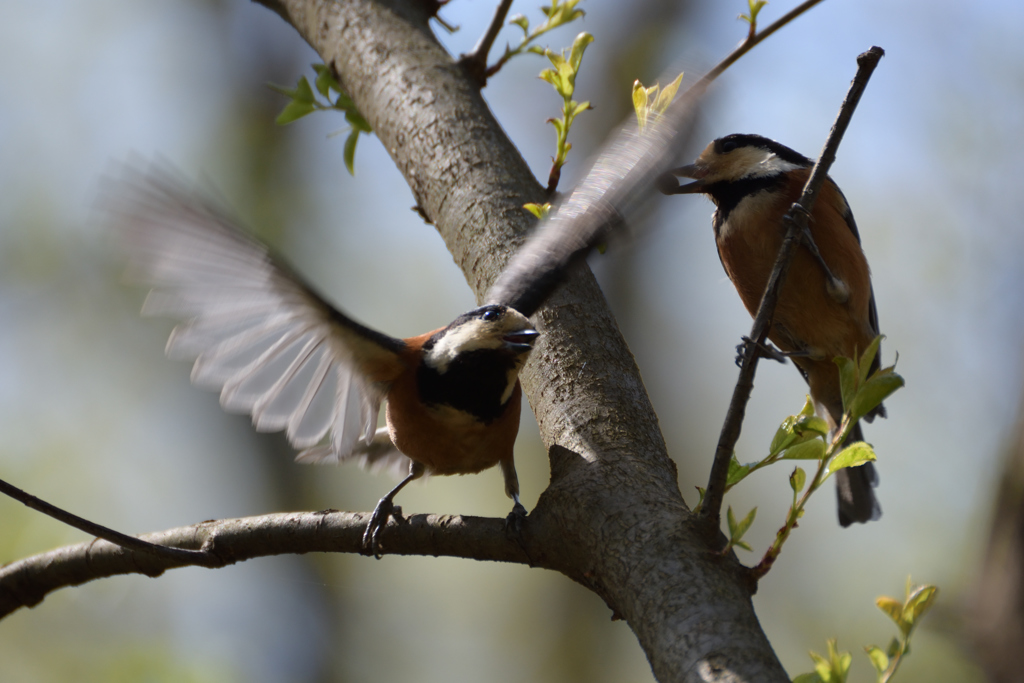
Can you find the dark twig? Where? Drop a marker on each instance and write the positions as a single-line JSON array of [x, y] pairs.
[[175, 555], [753, 40], [475, 62], [795, 221]]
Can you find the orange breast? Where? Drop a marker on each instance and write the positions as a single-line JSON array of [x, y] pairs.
[[806, 318], [446, 440]]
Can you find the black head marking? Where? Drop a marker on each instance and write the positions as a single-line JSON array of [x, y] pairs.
[[475, 382], [728, 194], [737, 140]]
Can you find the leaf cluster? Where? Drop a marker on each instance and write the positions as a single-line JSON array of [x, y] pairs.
[[562, 78], [556, 15], [906, 615], [649, 103], [303, 101], [805, 436]]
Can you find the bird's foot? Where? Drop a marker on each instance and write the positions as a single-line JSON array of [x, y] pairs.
[[765, 350], [515, 520], [378, 520]]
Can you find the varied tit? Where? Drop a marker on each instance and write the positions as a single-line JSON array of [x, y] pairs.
[[753, 181], [277, 350]]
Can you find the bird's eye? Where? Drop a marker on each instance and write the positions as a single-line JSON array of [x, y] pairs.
[[490, 315], [729, 145]]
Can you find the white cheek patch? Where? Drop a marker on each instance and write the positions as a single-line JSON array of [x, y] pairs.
[[746, 162], [469, 336], [772, 165]]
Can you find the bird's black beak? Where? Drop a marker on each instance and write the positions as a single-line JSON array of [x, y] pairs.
[[667, 184], [521, 340]]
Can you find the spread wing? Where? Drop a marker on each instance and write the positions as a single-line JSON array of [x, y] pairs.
[[272, 346], [620, 185]]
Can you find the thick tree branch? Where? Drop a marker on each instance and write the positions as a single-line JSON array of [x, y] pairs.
[[613, 503]]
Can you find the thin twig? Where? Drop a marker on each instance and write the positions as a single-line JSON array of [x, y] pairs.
[[176, 555], [751, 41], [795, 221], [475, 62]]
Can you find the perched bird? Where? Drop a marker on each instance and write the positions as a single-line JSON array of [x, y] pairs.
[[753, 181], [277, 350]]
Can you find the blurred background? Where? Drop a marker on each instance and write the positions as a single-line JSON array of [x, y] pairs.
[[95, 419]]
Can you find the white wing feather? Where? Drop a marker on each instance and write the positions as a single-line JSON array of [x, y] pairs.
[[257, 333]]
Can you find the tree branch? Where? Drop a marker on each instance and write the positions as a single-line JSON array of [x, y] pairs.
[[475, 62], [795, 221], [130, 542], [220, 543]]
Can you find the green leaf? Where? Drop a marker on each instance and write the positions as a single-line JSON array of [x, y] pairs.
[[293, 111], [737, 529], [879, 659], [847, 380], [356, 120], [840, 661], [894, 609], [808, 408], [808, 678], [822, 667], [522, 22], [667, 94], [807, 450], [797, 480], [737, 472], [303, 92], [797, 429], [344, 102], [578, 47], [853, 455], [894, 647], [784, 436], [755, 8], [811, 426], [580, 108], [541, 211], [868, 357], [350, 151], [874, 391], [640, 104], [325, 81], [918, 602], [557, 60]]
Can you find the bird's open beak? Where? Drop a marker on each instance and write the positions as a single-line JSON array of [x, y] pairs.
[[667, 184], [521, 340]]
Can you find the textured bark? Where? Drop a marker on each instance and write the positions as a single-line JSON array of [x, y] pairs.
[[613, 518]]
